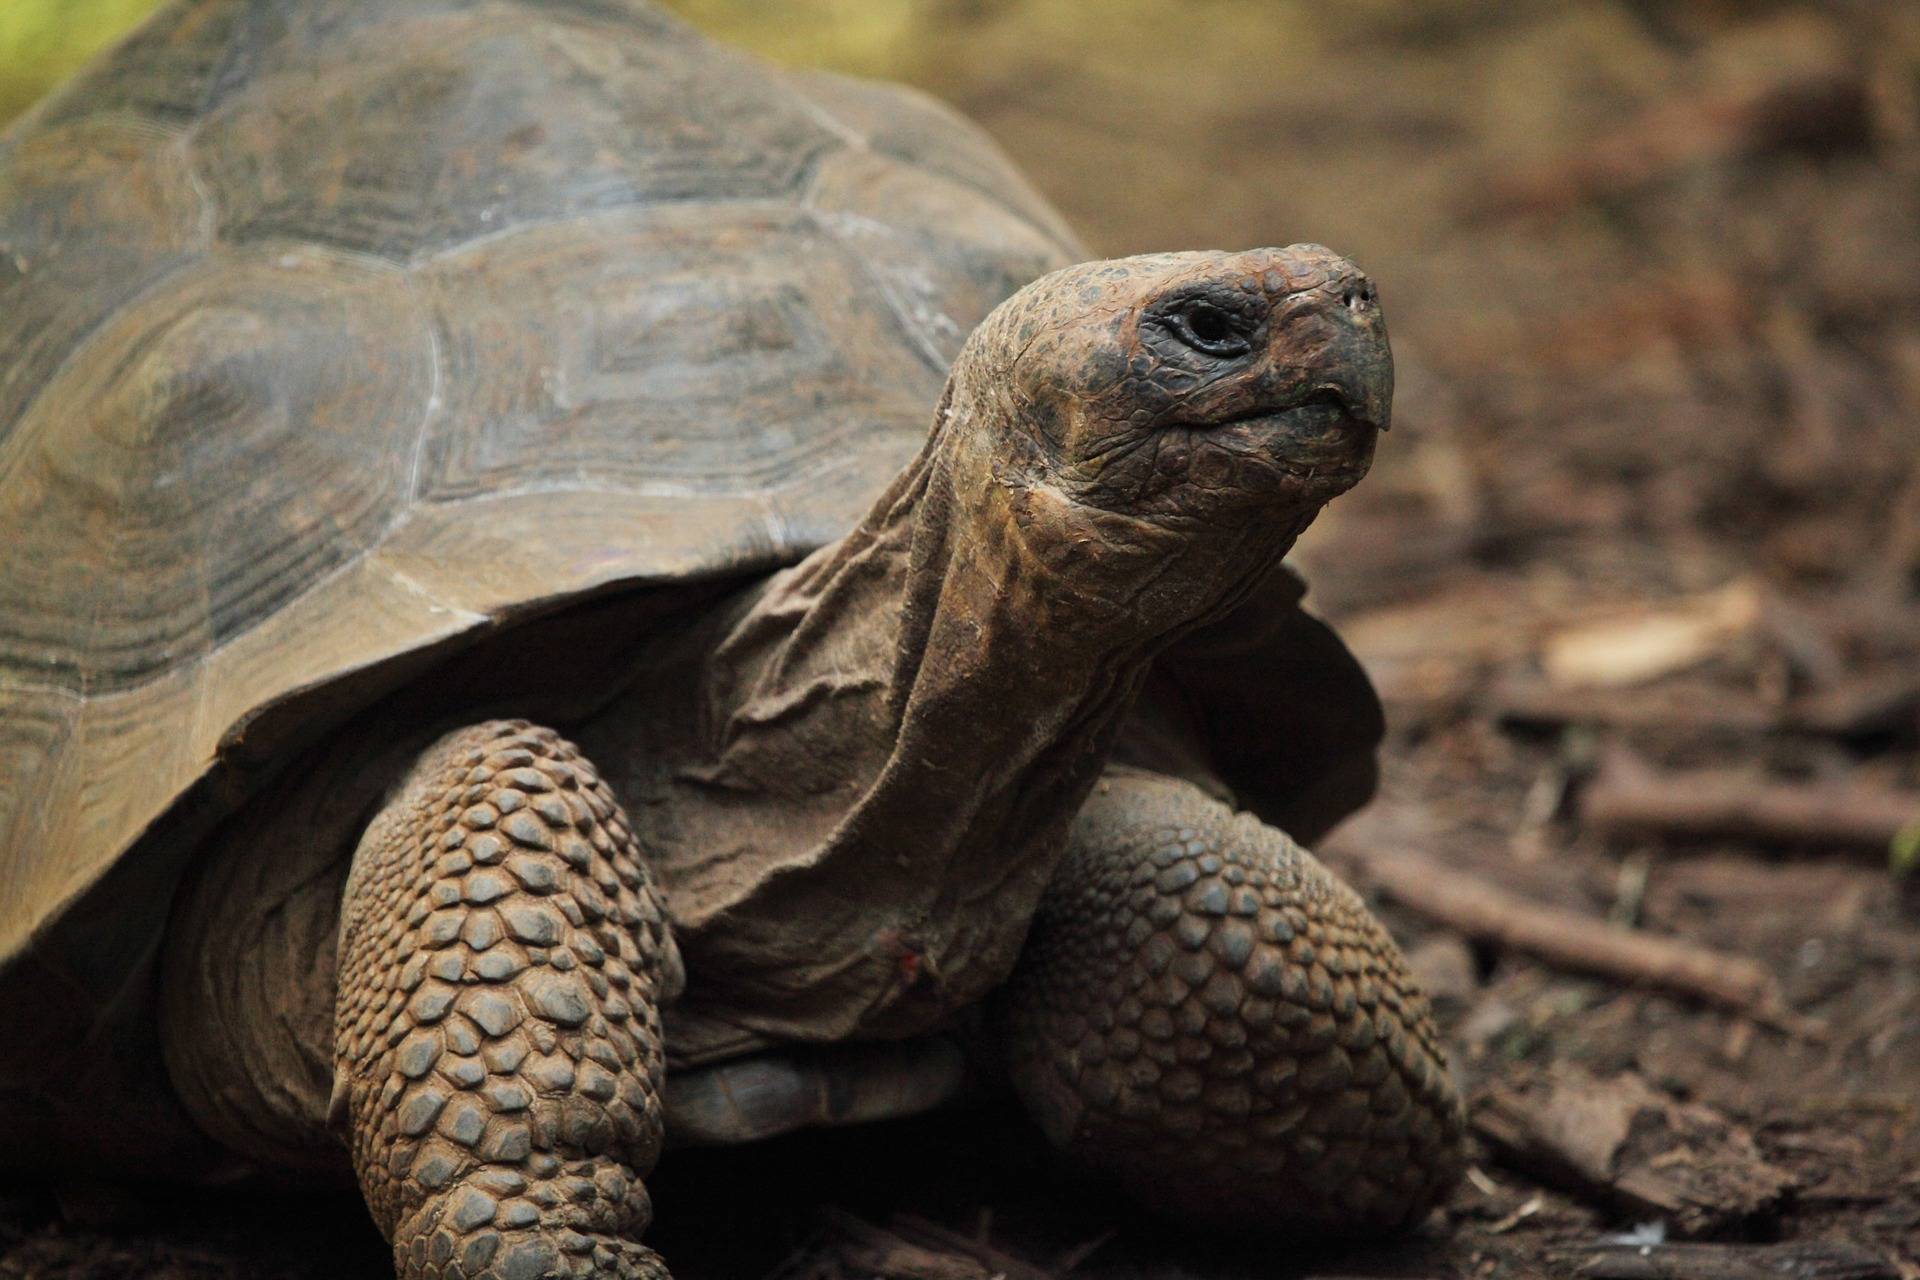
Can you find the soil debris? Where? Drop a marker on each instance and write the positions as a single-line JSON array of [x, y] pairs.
[[1680, 1164]]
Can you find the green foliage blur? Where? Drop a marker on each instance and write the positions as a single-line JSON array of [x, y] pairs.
[[42, 42]]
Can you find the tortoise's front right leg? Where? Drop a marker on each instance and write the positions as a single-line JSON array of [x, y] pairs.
[[497, 1048], [1206, 1014]]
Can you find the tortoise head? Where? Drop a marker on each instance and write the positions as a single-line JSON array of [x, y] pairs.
[[1198, 407]]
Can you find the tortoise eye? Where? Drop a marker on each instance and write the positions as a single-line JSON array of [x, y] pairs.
[[1209, 325], [1209, 329]]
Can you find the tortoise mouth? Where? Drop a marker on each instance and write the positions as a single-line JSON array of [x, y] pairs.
[[1320, 438], [1322, 402]]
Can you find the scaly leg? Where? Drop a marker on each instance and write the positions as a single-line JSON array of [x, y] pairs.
[[1204, 1013], [497, 1049]]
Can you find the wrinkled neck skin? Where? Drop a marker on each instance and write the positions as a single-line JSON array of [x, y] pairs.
[[894, 735]]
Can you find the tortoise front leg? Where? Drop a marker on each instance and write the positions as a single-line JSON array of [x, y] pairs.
[[1205, 1013], [497, 1048]]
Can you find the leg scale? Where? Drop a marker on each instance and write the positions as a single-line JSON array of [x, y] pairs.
[[1205, 1013], [497, 1047]]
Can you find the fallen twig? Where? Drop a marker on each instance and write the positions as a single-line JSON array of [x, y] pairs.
[[996, 1260], [1885, 703], [1574, 941], [1629, 797], [1069, 1262], [1687, 708], [876, 1251], [1860, 708], [1518, 1216]]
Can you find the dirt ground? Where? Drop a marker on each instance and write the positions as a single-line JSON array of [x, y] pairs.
[[1638, 573]]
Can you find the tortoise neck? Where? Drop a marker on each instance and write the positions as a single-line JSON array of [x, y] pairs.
[[914, 714]]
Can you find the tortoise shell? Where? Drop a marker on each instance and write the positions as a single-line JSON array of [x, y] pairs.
[[340, 332]]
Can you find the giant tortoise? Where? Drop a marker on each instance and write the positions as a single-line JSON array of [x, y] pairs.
[[392, 386]]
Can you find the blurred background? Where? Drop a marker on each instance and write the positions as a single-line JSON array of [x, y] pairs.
[[1638, 570]]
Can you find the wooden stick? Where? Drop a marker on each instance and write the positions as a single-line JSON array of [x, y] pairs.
[[1880, 704], [1696, 804], [1481, 910], [1070, 1261], [878, 1251], [1862, 707], [1000, 1263], [1688, 708]]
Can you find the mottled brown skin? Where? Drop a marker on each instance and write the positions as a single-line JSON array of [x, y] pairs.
[[387, 382]]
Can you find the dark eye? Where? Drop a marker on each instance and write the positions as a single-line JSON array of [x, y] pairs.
[[1209, 329]]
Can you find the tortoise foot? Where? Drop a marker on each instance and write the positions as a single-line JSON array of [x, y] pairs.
[[1206, 1014], [501, 1224], [497, 1048]]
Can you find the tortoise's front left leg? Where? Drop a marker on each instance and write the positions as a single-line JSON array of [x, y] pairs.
[[1205, 1014], [497, 1047]]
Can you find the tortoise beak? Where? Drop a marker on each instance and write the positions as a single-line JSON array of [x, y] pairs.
[[1355, 355]]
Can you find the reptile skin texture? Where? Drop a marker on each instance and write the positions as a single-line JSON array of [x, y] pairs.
[[1204, 1013], [496, 1029]]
